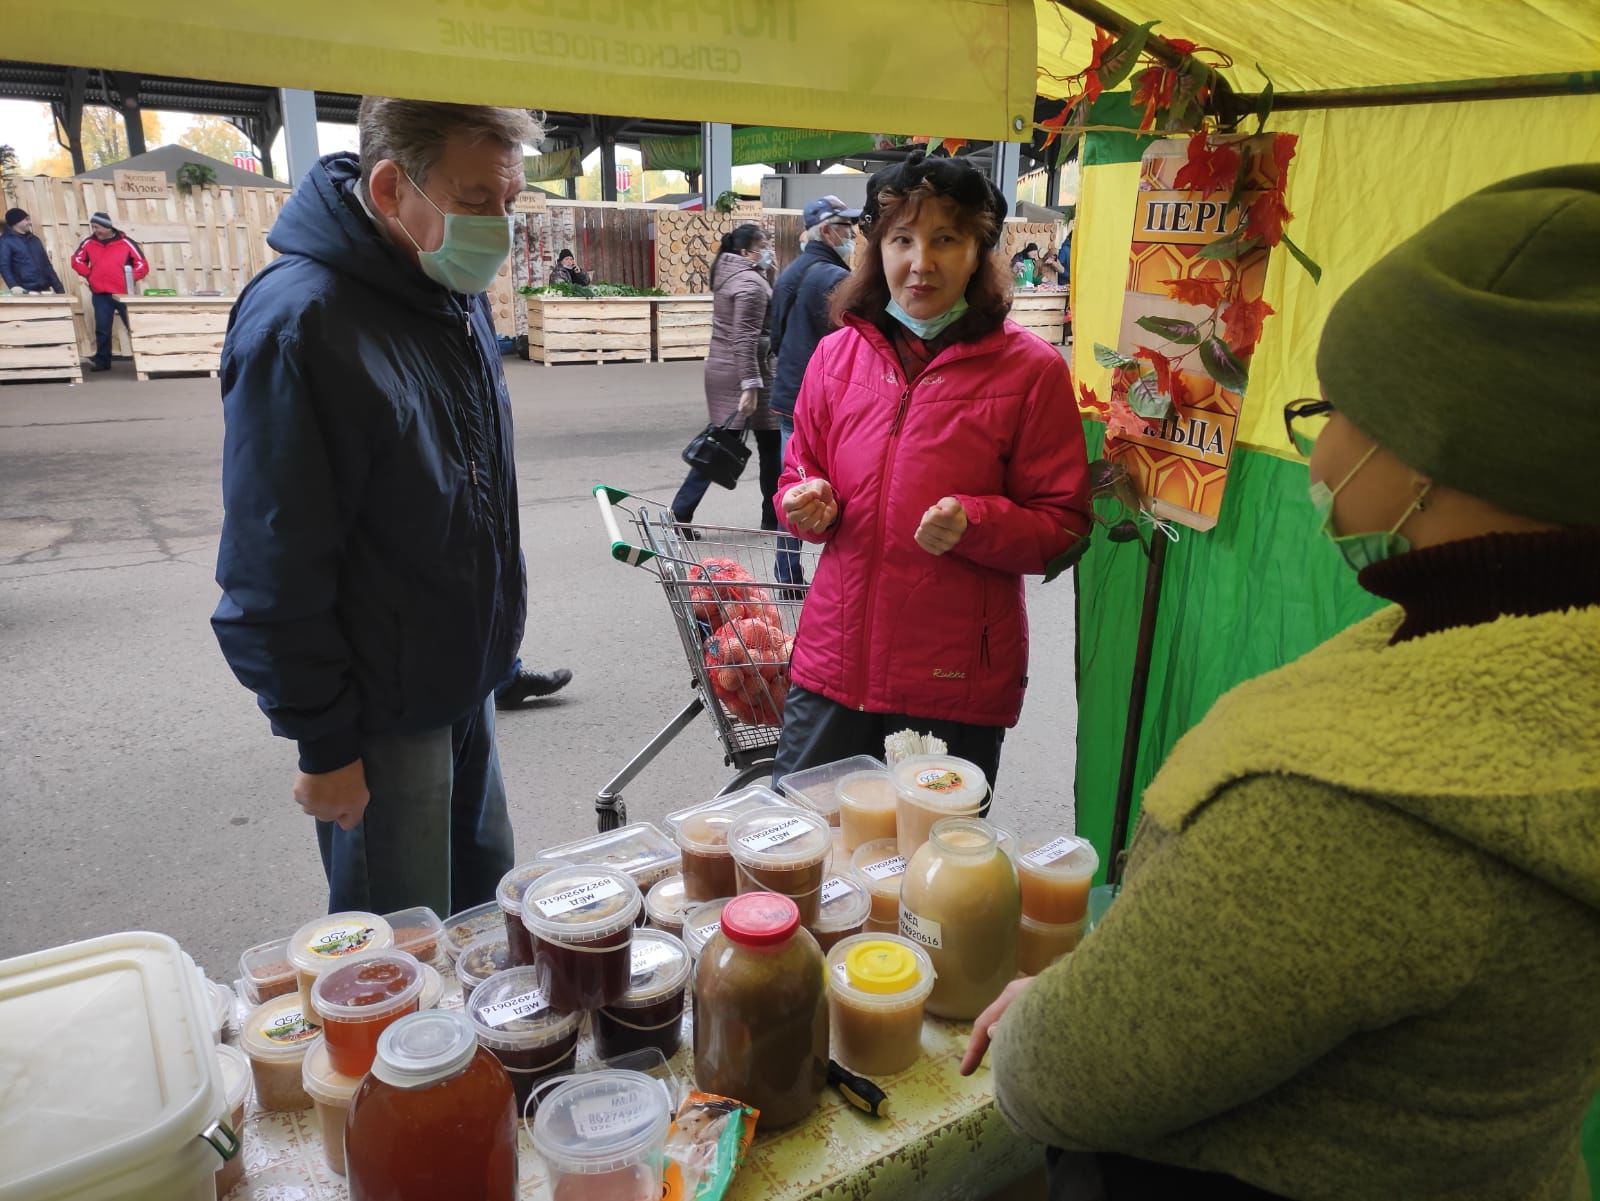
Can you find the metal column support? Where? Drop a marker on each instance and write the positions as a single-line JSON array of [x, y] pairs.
[[608, 168], [299, 109], [1007, 161], [127, 86], [1052, 185], [69, 115], [716, 160]]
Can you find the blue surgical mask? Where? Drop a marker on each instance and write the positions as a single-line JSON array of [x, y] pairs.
[[766, 257], [1361, 550], [472, 252], [931, 327], [846, 250]]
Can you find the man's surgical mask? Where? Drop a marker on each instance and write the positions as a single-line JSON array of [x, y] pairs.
[[846, 249], [1362, 550], [471, 254]]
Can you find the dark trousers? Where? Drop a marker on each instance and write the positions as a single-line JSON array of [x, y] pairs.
[[107, 308], [769, 446], [790, 569], [435, 832], [817, 730]]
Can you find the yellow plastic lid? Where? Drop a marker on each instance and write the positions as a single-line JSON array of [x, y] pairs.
[[882, 967]]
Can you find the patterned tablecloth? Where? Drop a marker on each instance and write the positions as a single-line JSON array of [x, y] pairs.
[[943, 1140]]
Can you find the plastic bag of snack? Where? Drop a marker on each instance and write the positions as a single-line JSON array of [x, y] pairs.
[[707, 1143]]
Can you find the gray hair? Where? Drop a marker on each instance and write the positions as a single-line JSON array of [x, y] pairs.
[[413, 132]]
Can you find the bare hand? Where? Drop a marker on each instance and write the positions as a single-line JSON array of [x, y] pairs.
[[811, 507], [942, 526], [983, 1028], [747, 402], [334, 796]]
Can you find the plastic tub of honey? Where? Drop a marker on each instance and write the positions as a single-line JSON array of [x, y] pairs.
[[330, 1092], [700, 923], [512, 1014], [360, 999], [485, 955], [235, 1068], [701, 832], [1039, 945], [877, 986], [265, 971], [581, 919], [650, 1014], [275, 1037], [639, 851], [880, 867], [846, 906], [513, 886], [462, 929], [327, 942], [757, 796], [1055, 878], [666, 905], [416, 932], [602, 1136], [782, 851], [930, 788], [866, 806], [817, 788]]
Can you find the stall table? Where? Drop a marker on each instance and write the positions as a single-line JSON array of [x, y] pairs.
[[1044, 312], [682, 327], [943, 1140], [572, 329], [173, 335], [38, 340]]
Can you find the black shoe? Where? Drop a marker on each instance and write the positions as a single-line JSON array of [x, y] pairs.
[[685, 531], [530, 684], [95, 366]]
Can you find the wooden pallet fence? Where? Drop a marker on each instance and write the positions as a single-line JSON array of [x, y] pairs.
[[1045, 313], [686, 245], [682, 327], [177, 335], [572, 330], [38, 340]]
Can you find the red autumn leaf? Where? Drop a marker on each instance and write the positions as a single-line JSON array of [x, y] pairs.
[[1181, 396], [1181, 45], [1161, 363], [1152, 88], [1103, 41], [1054, 124], [1243, 320], [951, 145], [1283, 146], [1266, 216], [1088, 402], [1205, 292], [1122, 421], [1209, 169]]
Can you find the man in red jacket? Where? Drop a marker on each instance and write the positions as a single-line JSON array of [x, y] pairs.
[[101, 259]]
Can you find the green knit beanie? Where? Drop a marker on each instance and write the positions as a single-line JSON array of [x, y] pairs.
[[1471, 351]]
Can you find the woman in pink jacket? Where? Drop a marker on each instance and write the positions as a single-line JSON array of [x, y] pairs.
[[938, 455]]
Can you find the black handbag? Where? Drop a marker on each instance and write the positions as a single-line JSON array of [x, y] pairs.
[[719, 453]]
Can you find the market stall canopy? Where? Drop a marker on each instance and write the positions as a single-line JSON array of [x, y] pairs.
[[964, 67], [170, 159]]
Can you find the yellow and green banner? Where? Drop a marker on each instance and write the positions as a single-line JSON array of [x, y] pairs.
[[764, 144]]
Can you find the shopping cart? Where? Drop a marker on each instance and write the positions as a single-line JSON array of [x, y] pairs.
[[736, 612]]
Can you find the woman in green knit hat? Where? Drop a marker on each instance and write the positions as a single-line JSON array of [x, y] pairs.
[[1357, 954]]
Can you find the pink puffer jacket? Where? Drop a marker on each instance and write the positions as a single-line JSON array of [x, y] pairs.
[[887, 627]]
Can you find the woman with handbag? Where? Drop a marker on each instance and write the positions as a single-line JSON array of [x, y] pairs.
[[939, 457], [737, 376]]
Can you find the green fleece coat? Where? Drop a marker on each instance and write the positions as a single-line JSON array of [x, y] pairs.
[[1357, 957]]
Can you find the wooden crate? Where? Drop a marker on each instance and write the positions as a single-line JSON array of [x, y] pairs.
[[38, 340], [565, 329], [682, 327], [177, 335], [1045, 313]]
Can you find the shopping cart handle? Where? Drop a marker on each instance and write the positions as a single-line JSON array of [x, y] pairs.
[[622, 550]]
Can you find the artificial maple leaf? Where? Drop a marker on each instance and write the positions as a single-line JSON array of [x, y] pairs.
[[1209, 169], [1204, 292], [1283, 146], [1152, 88], [951, 145], [1181, 45], [1243, 320], [1054, 124], [1266, 217], [1088, 402], [1122, 421], [1161, 363], [1181, 396], [1092, 87]]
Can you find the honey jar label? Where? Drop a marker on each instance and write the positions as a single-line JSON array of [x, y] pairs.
[[776, 836], [648, 955], [884, 869], [334, 941], [289, 1026], [920, 929], [1057, 848], [833, 888], [520, 1006], [939, 779], [601, 1117], [579, 897]]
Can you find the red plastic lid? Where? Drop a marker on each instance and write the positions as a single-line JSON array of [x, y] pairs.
[[760, 919]]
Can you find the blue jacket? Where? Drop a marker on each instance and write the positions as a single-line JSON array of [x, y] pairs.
[[371, 563], [800, 317], [24, 264]]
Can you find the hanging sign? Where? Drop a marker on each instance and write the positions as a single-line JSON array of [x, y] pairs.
[[140, 185], [531, 200]]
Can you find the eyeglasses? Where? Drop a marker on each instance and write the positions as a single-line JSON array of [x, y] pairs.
[[1299, 410]]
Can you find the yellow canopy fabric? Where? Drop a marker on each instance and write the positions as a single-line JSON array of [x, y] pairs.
[[1310, 45], [961, 68]]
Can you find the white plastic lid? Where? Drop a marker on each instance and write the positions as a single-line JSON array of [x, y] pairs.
[[461, 929], [425, 1048], [432, 987], [817, 787], [659, 967], [266, 963], [320, 1080], [755, 797], [1067, 857], [486, 955], [602, 1121], [666, 903], [511, 1011], [327, 940], [845, 904], [942, 783], [235, 1068], [369, 986], [780, 838], [517, 881], [278, 1031], [701, 922], [581, 904], [109, 1064], [867, 789], [639, 851]]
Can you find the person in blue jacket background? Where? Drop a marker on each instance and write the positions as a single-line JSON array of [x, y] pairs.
[[373, 590], [23, 261]]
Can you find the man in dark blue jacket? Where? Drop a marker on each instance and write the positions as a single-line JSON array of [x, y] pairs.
[[800, 320], [23, 261], [371, 564]]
